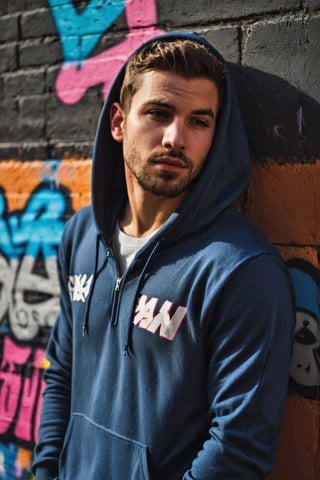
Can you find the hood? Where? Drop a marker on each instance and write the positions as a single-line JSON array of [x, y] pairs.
[[224, 177]]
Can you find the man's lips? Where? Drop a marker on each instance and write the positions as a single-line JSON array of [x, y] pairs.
[[170, 162]]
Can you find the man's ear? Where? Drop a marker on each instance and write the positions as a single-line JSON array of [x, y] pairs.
[[116, 121]]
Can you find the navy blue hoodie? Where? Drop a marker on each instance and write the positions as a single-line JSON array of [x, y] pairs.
[[179, 370]]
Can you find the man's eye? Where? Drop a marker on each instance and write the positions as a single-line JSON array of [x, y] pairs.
[[157, 114], [198, 122]]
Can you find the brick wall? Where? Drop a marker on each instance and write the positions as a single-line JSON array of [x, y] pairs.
[[57, 59]]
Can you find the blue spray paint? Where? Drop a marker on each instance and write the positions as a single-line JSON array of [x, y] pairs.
[[81, 31]]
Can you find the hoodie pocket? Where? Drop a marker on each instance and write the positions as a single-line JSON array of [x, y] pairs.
[[92, 452]]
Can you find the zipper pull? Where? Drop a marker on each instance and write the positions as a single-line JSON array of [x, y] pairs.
[[117, 287]]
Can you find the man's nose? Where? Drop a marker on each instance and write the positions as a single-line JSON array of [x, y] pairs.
[[174, 135]]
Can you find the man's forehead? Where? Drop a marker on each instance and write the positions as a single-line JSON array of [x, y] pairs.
[[160, 86]]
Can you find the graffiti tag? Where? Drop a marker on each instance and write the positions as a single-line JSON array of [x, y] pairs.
[[80, 32], [29, 290], [20, 388]]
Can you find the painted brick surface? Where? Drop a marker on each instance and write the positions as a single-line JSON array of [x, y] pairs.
[[20, 179], [35, 53], [226, 41], [313, 4], [23, 83], [57, 59], [9, 28], [283, 198], [179, 13], [297, 426], [38, 23], [288, 48]]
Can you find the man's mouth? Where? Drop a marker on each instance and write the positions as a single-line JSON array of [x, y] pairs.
[[171, 160], [168, 161]]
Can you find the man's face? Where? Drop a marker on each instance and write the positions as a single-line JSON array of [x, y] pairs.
[[167, 131]]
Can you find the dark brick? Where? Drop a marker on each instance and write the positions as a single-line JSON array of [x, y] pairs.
[[76, 122], [24, 83], [23, 151], [33, 105], [9, 30], [32, 117], [8, 120], [173, 13], [8, 151], [312, 4], [288, 49], [17, 128], [311, 68], [71, 150], [1, 88], [110, 38], [32, 131], [35, 53], [225, 40], [17, 6], [37, 24], [8, 55], [52, 73]]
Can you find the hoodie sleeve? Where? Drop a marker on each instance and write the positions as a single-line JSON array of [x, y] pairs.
[[56, 398], [249, 359]]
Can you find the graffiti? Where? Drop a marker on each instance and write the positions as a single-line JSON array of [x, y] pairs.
[[28, 247], [29, 304], [81, 31], [305, 365], [15, 462], [20, 388]]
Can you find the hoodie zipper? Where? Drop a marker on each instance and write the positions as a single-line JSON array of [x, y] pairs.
[[116, 293], [118, 282], [115, 302]]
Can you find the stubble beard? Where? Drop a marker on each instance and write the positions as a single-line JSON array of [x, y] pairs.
[[162, 183], [159, 182]]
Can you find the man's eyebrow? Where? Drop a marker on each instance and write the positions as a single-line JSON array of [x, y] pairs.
[[202, 111], [159, 103]]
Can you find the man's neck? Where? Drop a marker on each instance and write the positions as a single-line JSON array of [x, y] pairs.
[[144, 215]]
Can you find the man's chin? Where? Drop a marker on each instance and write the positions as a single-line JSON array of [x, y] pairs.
[[164, 183], [167, 192]]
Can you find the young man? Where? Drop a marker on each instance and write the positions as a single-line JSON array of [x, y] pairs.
[[170, 357]]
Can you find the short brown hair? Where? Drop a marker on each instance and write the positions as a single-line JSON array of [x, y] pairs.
[[185, 57]]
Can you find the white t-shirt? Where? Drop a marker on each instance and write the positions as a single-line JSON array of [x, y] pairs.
[[126, 247]]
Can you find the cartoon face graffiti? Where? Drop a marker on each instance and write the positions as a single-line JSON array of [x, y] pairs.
[[305, 365]]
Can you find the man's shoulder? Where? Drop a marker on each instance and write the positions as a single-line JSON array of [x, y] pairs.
[[80, 223], [83, 216], [79, 235], [235, 240]]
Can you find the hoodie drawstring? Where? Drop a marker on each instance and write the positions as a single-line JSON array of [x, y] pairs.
[[96, 272], [126, 348]]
